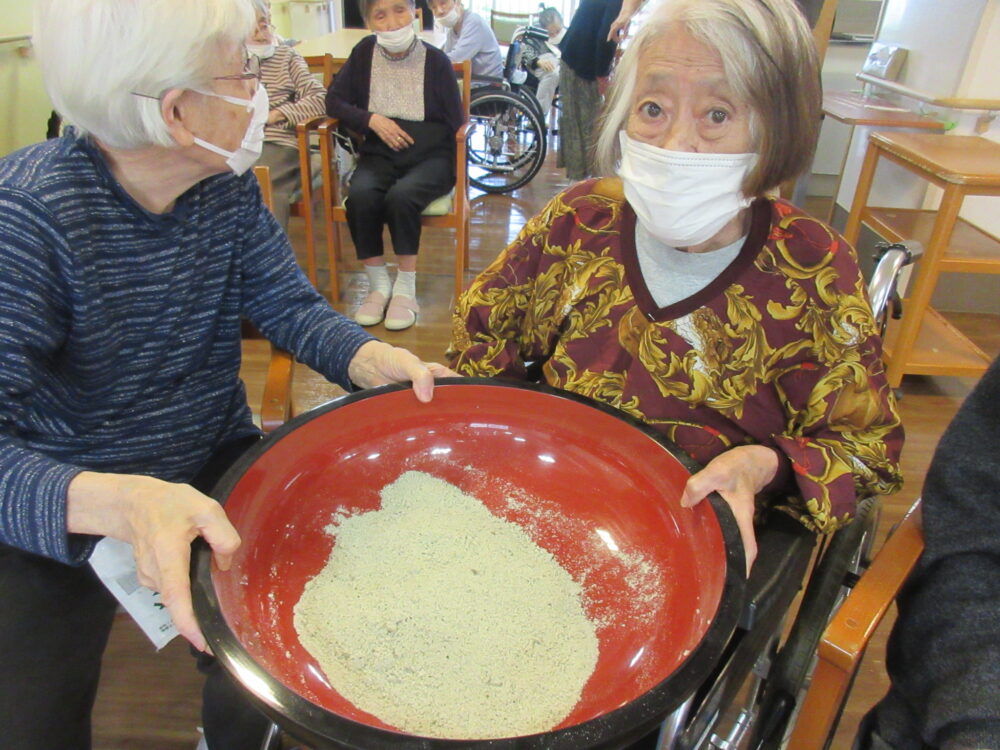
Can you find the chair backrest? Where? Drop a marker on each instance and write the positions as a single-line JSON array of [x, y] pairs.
[[505, 24], [322, 65]]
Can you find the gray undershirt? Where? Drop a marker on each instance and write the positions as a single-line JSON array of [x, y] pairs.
[[672, 275]]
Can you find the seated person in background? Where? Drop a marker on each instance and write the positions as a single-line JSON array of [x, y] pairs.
[[944, 651], [294, 96], [400, 93], [545, 66], [682, 294], [468, 37], [130, 249]]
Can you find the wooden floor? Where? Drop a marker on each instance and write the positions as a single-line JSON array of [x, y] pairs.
[[150, 701]]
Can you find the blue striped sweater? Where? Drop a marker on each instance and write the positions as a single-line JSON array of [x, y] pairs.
[[120, 329]]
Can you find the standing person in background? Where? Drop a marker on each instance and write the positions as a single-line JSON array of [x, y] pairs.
[[467, 37], [586, 59], [294, 95]]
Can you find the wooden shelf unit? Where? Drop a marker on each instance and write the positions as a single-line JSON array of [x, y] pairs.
[[923, 342]]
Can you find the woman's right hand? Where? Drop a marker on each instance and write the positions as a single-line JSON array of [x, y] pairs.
[[391, 134], [160, 520]]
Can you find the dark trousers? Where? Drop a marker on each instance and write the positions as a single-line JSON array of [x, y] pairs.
[[54, 625], [388, 191]]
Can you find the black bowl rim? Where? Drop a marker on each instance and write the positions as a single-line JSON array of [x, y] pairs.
[[323, 728]]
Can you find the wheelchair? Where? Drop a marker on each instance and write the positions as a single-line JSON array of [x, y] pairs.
[[507, 142], [753, 696]]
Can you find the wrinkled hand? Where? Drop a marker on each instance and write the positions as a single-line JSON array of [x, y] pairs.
[[275, 116], [160, 520], [391, 134], [737, 475], [378, 363], [546, 63]]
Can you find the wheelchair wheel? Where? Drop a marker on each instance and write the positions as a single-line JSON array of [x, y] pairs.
[[847, 554], [506, 143]]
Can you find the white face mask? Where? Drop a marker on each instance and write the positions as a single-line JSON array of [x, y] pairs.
[[249, 151], [682, 198], [263, 51], [396, 41], [449, 19]]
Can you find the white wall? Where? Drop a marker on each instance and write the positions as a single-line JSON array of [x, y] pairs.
[[939, 37], [24, 107]]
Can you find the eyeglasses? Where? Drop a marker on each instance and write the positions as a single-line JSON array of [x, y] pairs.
[[251, 69]]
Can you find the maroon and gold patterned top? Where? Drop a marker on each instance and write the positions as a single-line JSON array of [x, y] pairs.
[[781, 349]]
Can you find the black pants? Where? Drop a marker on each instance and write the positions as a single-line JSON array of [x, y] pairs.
[[391, 189], [54, 625]]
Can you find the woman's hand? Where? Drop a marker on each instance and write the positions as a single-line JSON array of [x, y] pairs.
[[737, 475], [391, 134], [547, 63], [275, 117], [620, 24], [378, 363], [160, 520]]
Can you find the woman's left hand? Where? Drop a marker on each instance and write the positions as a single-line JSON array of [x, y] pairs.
[[737, 475], [377, 363]]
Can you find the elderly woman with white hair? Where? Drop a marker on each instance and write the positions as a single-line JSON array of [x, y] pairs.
[[682, 292], [130, 249]]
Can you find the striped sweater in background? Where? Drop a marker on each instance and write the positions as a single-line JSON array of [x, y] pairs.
[[292, 89], [120, 329]]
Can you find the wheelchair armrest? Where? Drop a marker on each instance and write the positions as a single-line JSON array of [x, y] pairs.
[[784, 549], [489, 80]]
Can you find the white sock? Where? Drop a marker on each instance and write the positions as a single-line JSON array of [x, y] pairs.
[[406, 284], [378, 279]]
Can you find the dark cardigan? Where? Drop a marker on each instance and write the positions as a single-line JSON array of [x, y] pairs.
[[944, 651], [347, 97]]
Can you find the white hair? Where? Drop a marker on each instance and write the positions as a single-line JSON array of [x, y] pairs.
[[770, 60], [97, 55]]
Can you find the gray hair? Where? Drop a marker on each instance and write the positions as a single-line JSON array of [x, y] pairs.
[[365, 6], [548, 16], [770, 59], [96, 55]]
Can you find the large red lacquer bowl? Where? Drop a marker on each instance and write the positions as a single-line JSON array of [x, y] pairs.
[[596, 488]]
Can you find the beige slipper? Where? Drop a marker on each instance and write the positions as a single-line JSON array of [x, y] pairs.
[[372, 310], [402, 312]]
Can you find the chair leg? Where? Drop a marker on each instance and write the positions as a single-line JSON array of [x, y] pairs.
[[330, 194]]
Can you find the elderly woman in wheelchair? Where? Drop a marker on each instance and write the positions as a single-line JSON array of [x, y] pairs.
[[400, 94], [683, 292]]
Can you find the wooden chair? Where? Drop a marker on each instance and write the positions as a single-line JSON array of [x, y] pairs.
[[450, 211], [847, 636], [276, 403], [505, 24], [325, 67]]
